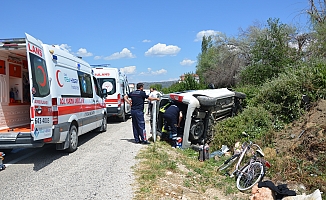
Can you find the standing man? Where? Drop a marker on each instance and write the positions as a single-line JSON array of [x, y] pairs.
[[152, 94], [149, 107], [173, 117], [137, 112]]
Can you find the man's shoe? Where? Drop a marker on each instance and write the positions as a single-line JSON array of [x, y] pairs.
[[145, 142]]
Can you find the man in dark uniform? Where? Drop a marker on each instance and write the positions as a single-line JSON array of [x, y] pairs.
[[137, 112], [173, 117]]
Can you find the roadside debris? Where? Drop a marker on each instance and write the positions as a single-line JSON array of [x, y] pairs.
[[203, 152], [316, 195], [220, 152]]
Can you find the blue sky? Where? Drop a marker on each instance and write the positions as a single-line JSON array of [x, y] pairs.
[[149, 40]]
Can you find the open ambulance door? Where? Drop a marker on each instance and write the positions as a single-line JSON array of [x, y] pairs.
[[41, 111]]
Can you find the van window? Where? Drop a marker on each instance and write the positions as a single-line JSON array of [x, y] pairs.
[[97, 87], [85, 84], [108, 84], [39, 76]]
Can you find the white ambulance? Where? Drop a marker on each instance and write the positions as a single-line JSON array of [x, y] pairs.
[[47, 95], [117, 86]]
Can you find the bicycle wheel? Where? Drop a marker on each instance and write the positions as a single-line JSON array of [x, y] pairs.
[[228, 162], [250, 175]]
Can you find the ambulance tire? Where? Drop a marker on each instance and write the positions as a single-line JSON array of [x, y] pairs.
[[103, 126], [73, 139], [123, 116]]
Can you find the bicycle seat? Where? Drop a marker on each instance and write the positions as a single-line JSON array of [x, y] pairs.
[[260, 152]]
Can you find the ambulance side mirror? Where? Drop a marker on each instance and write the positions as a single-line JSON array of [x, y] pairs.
[[104, 93]]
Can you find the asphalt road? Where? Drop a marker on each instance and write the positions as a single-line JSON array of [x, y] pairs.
[[101, 168]]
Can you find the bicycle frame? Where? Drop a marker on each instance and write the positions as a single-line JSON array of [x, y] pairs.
[[243, 153], [251, 172]]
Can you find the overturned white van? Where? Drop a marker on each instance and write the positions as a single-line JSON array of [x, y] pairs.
[[201, 110]]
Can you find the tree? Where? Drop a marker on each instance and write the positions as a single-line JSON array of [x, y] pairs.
[[271, 53], [317, 14], [220, 62], [189, 83], [157, 86]]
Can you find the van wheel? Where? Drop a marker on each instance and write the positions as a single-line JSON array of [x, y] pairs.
[[196, 131], [123, 116], [73, 139], [104, 124]]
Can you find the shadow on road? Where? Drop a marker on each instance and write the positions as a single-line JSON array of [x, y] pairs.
[[42, 157]]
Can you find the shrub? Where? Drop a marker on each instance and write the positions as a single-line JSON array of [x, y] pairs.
[[255, 121]]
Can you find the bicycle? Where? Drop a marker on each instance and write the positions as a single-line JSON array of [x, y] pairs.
[[250, 173]]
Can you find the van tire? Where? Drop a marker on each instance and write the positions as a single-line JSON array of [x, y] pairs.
[[104, 124], [73, 139], [196, 131], [123, 116], [207, 101]]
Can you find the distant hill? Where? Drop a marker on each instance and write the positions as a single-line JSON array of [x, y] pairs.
[[164, 84]]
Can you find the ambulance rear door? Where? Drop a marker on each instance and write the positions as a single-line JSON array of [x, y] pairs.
[[41, 102]]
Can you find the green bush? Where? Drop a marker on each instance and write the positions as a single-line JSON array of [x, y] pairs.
[[255, 121], [188, 84], [282, 96]]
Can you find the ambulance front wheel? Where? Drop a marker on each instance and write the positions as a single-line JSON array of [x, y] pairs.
[[73, 139]]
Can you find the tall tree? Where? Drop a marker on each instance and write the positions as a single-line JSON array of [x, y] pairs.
[[220, 62], [271, 53], [317, 14]]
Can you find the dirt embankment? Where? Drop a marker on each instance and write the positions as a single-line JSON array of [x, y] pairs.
[[300, 151]]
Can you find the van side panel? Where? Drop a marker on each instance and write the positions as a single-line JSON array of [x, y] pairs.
[[74, 90]]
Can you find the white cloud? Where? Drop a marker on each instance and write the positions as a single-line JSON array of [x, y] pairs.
[[146, 40], [98, 57], [125, 53], [150, 72], [162, 50], [187, 62], [207, 33], [83, 53], [65, 47], [159, 72], [129, 69]]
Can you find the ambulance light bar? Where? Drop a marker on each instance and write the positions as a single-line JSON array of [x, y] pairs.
[[101, 66]]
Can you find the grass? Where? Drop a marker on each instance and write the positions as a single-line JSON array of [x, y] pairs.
[[164, 172]]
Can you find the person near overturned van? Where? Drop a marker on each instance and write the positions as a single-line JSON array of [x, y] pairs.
[[137, 112], [173, 117], [152, 94]]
